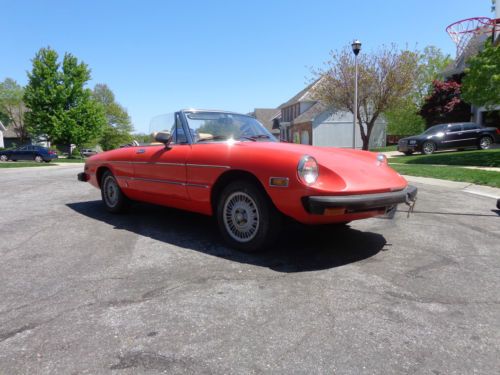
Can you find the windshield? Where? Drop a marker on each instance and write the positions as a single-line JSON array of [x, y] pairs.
[[221, 126], [435, 129]]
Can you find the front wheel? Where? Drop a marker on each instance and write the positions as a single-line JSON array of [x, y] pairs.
[[246, 217], [112, 196], [428, 148], [484, 143]]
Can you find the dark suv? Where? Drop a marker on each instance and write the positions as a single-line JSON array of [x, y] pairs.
[[29, 152], [449, 136]]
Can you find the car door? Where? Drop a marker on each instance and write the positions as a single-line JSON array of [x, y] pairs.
[[161, 171], [453, 136], [470, 134], [21, 153]]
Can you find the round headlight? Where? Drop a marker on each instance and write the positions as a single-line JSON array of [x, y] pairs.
[[308, 170]]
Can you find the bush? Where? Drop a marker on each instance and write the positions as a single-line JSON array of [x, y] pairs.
[[75, 154]]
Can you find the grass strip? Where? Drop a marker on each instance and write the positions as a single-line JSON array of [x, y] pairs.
[[478, 158], [474, 176]]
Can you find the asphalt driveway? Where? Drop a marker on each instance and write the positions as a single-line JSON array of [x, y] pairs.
[[87, 292]]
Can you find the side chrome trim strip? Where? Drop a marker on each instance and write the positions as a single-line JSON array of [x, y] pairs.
[[172, 164], [208, 166], [159, 181], [197, 185]]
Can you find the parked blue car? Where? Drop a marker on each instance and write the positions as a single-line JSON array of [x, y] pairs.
[[29, 152]]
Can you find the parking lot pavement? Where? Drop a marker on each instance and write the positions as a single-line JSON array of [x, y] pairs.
[[87, 292]]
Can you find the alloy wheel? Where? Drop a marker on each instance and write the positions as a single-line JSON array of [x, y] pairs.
[[111, 191], [241, 217], [485, 143], [428, 148]]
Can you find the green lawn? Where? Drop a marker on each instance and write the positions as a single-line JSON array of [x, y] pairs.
[[20, 164], [475, 176], [478, 158], [385, 149], [61, 160]]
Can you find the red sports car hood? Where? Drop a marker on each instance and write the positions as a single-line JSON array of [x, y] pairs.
[[359, 170]]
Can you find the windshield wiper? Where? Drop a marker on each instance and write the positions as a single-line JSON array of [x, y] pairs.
[[213, 138], [255, 137]]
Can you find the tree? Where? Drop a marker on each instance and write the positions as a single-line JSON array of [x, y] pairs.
[[445, 104], [60, 107], [404, 118], [12, 107], [481, 84], [119, 126], [143, 137], [384, 78], [432, 62]]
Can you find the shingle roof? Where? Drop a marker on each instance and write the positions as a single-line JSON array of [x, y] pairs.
[[265, 116], [303, 96], [310, 114], [9, 132]]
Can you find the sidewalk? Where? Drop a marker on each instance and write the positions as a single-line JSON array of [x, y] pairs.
[[491, 169], [467, 187]]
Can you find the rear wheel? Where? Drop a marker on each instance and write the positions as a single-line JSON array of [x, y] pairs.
[[428, 148], [484, 143], [38, 158], [246, 217], [4, 158], [113, 198]]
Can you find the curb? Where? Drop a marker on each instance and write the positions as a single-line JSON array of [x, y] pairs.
[[466, 187]]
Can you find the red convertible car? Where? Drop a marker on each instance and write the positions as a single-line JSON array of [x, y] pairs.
[[228, 165]]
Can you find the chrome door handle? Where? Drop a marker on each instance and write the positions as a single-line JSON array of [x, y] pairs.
[[141, 151]]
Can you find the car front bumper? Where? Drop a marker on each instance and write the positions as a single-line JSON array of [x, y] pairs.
[[406, 148], [342, 204], [84, 177]]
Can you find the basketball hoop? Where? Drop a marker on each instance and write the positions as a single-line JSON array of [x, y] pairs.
[[461, 32]]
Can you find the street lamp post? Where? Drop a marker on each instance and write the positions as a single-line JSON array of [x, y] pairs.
[[356, 47]]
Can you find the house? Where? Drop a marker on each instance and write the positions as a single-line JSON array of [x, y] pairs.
[[2, 129], [266, 117], [309, 121], [12, 139]]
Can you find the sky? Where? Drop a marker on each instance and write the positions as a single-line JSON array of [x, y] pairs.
[[162, 56]]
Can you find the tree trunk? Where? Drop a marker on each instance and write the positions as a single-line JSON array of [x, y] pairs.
[[366, 141]]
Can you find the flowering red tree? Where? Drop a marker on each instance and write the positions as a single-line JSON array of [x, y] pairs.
[[445, 104]]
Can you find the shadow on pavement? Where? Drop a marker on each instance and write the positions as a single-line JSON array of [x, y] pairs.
[[300, 248]]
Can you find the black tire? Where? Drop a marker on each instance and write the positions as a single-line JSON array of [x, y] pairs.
[[484, 143], [38, 158], [246, 217], [428, 148], [112, 196], [408, 153]]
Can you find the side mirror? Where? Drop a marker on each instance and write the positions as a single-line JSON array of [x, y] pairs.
[[163, 137]]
